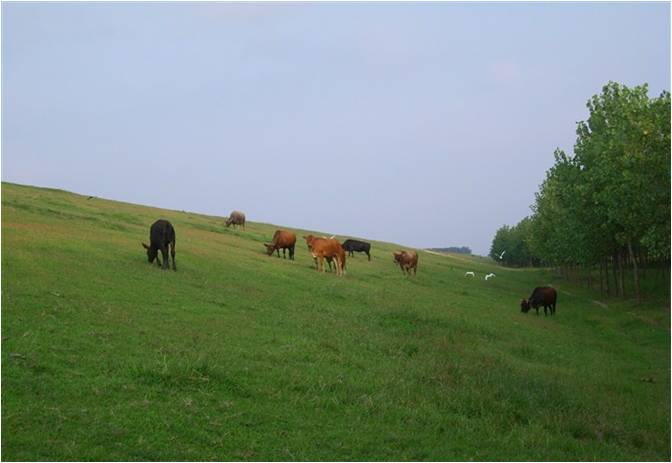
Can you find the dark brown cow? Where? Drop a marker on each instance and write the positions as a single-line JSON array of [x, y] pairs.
[[161, 237], [282, 240], [407, 260], [542, 296], [236, 218], [322, 248]]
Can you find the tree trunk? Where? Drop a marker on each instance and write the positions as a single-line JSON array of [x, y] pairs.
[[621, 273], [614, 273], [606, 276], [618, 273], [636, 269], [601, 280]]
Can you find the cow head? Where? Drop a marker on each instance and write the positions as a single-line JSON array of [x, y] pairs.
[[524, 306], [151, 252], [397, 255], [309, 240], [229, 221], [269, 248]]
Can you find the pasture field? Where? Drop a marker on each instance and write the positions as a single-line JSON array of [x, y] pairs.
[[241, 356]]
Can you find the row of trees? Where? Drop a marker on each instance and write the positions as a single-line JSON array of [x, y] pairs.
[[458, 250], [606, 208]]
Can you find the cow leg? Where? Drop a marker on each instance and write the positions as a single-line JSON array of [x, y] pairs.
[[284, 255], [172, 253], [164, 253], [369, 255], [537, 309], [291, 253]]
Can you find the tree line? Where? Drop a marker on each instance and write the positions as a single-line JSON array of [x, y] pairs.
[[455, 249], [603, 213]]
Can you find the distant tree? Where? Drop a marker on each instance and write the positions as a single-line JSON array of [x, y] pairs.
[[511, 245], [459, 250]]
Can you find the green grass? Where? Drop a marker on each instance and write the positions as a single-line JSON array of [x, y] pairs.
[[241, 356]]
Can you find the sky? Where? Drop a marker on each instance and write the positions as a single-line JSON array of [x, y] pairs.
[[424, 124]]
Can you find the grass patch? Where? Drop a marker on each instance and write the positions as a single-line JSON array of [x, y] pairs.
[[242, 356]]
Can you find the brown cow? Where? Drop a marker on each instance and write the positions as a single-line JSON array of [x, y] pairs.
[[236, 218], [330, 260], [407, 260], [282, 240], [542, 296], [322, 248]]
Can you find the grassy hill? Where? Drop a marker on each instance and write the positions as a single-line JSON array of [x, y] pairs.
[[241, 356]]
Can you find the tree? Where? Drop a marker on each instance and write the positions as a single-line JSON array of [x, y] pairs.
[[610, 201]]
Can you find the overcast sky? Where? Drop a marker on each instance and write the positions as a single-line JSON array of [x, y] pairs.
[[428, 125]]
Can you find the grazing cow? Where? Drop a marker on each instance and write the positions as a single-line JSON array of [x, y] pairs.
[[161, 236], [282, 240], [470, 274], [407, 260], [322, 248], [353, 246], [488, 276], [236, 218], [542, 296]]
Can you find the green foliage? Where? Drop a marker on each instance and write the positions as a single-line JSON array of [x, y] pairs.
[[623, 152], [511, 245], [612, 197]]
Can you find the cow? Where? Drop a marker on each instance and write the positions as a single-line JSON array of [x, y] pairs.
[[407, 260], [542, 296], [469, 274], [488, 276], [236, 218], [322, 248], [282, 240], [161, 237], [353, 246], [330, 260]]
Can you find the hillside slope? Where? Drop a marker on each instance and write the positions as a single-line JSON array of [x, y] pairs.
[[241, 356]]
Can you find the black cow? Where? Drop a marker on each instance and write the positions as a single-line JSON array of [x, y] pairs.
[[542, 296], [353, 246], [161, 236]]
